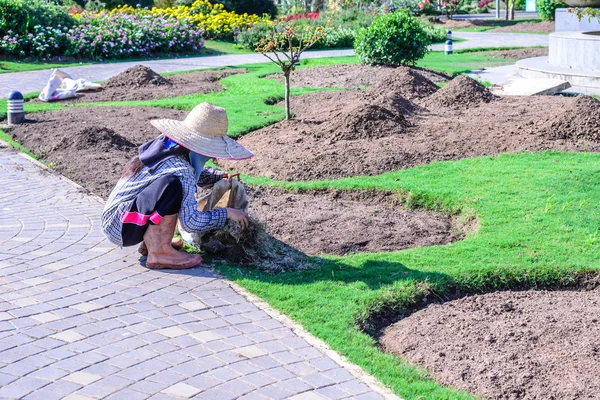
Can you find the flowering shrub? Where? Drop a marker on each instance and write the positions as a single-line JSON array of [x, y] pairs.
[[484, 3], [107, 36], [293, 17], [216, 22], [450, 7], [21, 16], [427, 8]]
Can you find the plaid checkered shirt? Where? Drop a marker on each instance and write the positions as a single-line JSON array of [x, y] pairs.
[[192, 220]]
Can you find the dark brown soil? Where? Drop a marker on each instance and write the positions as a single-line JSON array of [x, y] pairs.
[[404, 121], [508, 26], [527, 27], [355, 76], [462, 92], [507, 345], [142, 83], [343, 222], [90, 145], [518, 54]]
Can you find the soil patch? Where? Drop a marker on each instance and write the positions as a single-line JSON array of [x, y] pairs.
[[332, 222], [527, 27], [507, 345], [142, 83], [518, 54], [508, 26], [356, 76], [90, 145], [404, 121]]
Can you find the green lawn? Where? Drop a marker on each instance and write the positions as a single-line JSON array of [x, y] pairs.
[[538, 226], [536, 216], [19, 66]]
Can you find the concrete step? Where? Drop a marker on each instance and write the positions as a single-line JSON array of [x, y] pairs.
[[530, 87]]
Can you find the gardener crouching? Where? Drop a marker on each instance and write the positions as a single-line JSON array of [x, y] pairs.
[[158, 188]]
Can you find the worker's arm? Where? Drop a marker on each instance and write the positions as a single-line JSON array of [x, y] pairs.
[[210, 176]]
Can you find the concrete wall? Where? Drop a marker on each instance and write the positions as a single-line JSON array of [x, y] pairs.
[[566, 21]]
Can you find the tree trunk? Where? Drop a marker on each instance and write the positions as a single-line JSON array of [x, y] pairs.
[[506, 10], [288, 112], [512, 10]]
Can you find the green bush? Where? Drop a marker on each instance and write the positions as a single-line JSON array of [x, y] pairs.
[[248, 37], [436, 33], [546, 8], [393, 39], [21, 16], [258, 7]]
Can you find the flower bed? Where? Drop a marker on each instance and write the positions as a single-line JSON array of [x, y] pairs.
[[107, 36], [216, 22]]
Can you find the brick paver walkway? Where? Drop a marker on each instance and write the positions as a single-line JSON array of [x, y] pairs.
[[80, 318]]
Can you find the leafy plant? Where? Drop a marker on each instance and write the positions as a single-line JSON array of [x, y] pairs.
[[257, 7], [546, 8], [291, 41], [393, 39], [21, 16]]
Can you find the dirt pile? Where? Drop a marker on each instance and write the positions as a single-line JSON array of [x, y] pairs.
[[100, 138], [364, 121], [354, 76], [406, 82], [137, 76], [141, 83], [462, 92], [507, 345], [580, 119]]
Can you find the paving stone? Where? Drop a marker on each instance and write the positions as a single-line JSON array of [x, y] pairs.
[[80, 318], [82, 378], [182, 390]]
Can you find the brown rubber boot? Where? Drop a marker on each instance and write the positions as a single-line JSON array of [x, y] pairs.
[[177, 244], [161, 254]]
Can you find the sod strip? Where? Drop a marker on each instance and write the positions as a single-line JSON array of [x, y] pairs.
[[537, 221]]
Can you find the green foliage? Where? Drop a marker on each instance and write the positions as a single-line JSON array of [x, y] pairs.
[[258, 7], [21, 16], [546, 8], [333, 37], [393, 39]]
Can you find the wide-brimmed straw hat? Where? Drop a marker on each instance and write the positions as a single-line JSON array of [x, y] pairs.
[[204, 131]]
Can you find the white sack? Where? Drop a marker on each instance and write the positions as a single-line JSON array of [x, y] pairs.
[[62, 86]]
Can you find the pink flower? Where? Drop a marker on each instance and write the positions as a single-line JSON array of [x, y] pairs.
[[421, 6]]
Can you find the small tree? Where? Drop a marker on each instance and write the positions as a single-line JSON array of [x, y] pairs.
[[283, 45]]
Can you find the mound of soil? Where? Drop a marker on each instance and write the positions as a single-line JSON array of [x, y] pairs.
[[90, 145], [342, 222], [137, 76], [406, 82], [580, 119], [507, 345], [462, 92], [406, 134], [356, 76], [142, 83], [365, 121]]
